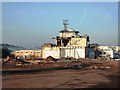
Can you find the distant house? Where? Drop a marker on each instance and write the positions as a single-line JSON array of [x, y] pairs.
[[27, 53], [108, 51]]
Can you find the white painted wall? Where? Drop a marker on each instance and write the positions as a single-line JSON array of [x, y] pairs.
[[73, 52], [110, 52], [67, 34], [103, 47], [69, 52], [80, 53], [51, 52]]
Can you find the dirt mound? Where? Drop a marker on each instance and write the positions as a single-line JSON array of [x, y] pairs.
[[15, 61], [50, 58]]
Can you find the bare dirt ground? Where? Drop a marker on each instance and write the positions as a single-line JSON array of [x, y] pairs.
[[98, 74]]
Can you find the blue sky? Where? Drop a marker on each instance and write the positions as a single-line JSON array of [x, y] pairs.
[[33, 24]]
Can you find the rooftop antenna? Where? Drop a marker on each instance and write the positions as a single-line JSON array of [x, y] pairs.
[[65, 23]]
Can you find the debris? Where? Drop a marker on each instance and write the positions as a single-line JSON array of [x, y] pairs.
[[101, 67], [50, 58], [95, 67]]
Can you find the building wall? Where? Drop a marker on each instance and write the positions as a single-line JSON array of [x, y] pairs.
[[51, 51], [82, 42], [90, 53], [55, 52], [75, 52], [37, 53], [109, 52], [80, 53], [67, 34], [103, 47], [116, 48], [25, 53]]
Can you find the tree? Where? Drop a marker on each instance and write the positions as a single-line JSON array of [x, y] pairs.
[[4, 52]]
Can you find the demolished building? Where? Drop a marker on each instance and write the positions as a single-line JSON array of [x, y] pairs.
[[69, 44]]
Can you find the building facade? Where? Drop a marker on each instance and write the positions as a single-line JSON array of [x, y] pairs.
[[27, 53], [68, 44], [50, 51], [108, 51]]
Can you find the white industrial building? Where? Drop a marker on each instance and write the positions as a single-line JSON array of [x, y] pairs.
[[108, 52], [68, 44]]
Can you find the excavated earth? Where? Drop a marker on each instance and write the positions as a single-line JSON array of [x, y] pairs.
[[62, 75]]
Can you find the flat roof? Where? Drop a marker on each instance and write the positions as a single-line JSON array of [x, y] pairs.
[[69, 31]]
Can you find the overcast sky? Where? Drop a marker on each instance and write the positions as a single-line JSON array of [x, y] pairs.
[[31, 24]]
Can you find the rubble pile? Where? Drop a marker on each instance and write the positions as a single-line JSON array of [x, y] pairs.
[[100, 67], [50, 58], [14, 61]]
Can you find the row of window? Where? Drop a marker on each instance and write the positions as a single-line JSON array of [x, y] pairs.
[[27, 52]]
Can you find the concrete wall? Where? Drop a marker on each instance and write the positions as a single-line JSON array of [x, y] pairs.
[[80, 53], [37, 53], [58, 52], [90, 53], [109, 52], [67, 34], [52, 51], [64, 52], [72, 52], [24, 53], [103, 47], [82, 42]]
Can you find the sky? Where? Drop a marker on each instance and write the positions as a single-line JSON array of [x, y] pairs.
[[31, 24]]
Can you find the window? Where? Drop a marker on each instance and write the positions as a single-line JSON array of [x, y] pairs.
[[104, 52]]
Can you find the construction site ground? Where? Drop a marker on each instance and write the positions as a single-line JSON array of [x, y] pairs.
[[93, 74]]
